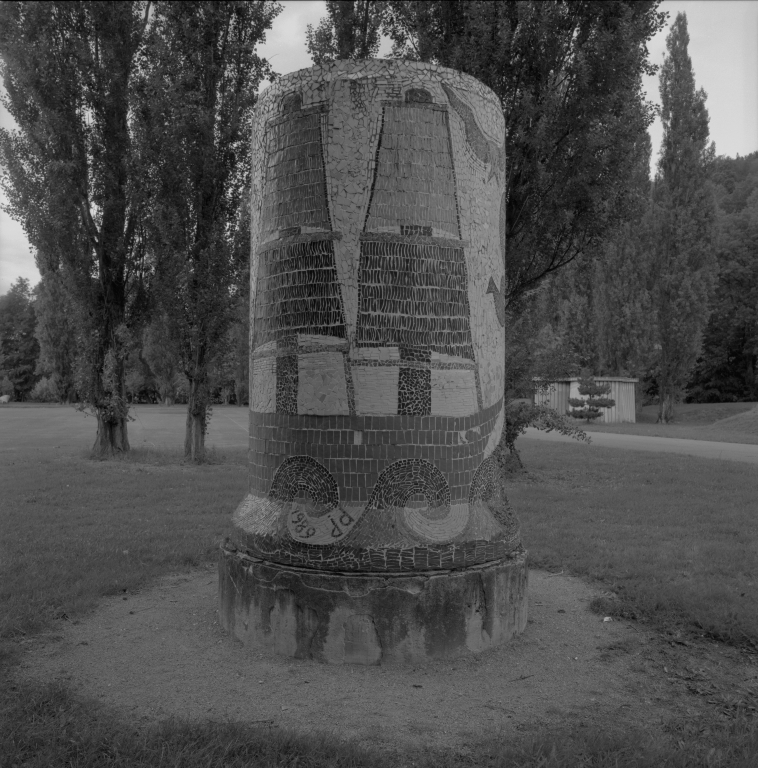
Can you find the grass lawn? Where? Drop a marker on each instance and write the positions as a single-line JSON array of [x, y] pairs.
[[676, 537], [673, 536], [76, 529], [720, 422]]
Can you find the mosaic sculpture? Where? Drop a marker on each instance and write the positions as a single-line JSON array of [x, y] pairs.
[[377, 343]]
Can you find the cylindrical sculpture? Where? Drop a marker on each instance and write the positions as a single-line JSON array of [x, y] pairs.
[[375, 528]]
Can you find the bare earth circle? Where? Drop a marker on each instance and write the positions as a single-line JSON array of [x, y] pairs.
[[161, 653]]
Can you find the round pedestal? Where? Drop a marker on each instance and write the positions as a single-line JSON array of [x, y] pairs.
[[349, 618]]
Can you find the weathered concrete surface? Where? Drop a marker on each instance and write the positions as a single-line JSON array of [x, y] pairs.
[[372, 619]]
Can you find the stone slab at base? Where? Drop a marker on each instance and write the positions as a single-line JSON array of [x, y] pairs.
[[348, 618]]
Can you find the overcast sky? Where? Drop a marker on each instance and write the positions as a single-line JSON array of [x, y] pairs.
[[723, 48]]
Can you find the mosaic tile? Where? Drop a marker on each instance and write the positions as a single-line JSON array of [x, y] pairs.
[[376, 389], [453, 391], [263, 385], [407, 477], [484, 482], [286, 384], [487, 151], [297, 292], [303, 475], [322, 386], [377, 272], [414, 296]]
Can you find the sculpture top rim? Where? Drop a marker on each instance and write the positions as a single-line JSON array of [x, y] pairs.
[[355, 67]]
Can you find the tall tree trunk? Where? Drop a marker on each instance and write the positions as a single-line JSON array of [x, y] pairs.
[[112, 436], [638, 399], [665, 404], [197, 420]]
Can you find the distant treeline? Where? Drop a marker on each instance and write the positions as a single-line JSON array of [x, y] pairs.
[[600, 313], [39, 361]]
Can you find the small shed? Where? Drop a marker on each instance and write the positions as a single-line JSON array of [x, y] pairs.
[[622, 391]]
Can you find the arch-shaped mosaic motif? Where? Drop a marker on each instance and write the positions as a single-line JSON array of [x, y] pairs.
[[302, 473], [483, 485], [405, 478]]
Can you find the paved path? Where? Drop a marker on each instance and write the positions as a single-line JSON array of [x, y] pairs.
[[704, 448]]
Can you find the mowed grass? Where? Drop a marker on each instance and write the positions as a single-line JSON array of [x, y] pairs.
[[676, 537], [718, 422], [673, 536], [74, 529]]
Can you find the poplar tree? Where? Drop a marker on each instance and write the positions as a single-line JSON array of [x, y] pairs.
[[196, 98], [72, 178], [18, 346], [56, 333], [351, 29], [684, 267], [728, 364], [569, 77], [599, 306]]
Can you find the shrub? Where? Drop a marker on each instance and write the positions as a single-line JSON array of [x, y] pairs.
[[45, 391], [519, 415]]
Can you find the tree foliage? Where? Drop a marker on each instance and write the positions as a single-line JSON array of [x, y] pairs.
[[726, 369], [598, 312], [588, 407], [683, 268], [56, 333], [196, 99], [18, 345], [351, 29], [71, 175], [161, 355], [520, 415], [569, 76], [595, 313]]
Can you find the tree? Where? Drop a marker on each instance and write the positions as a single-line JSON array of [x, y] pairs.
[[684, 267], [162, 357], [599, 310], [589, 408], [350, 30], [73, 179], [197, 94], [18, 346], [569, 77], [56, 334], [594, 313], [519, 416], [602, 301], [726, 368]]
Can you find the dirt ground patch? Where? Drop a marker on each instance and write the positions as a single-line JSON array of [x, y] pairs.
[[161, 653]]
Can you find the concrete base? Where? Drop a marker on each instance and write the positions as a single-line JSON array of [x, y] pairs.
[[348, 618]]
